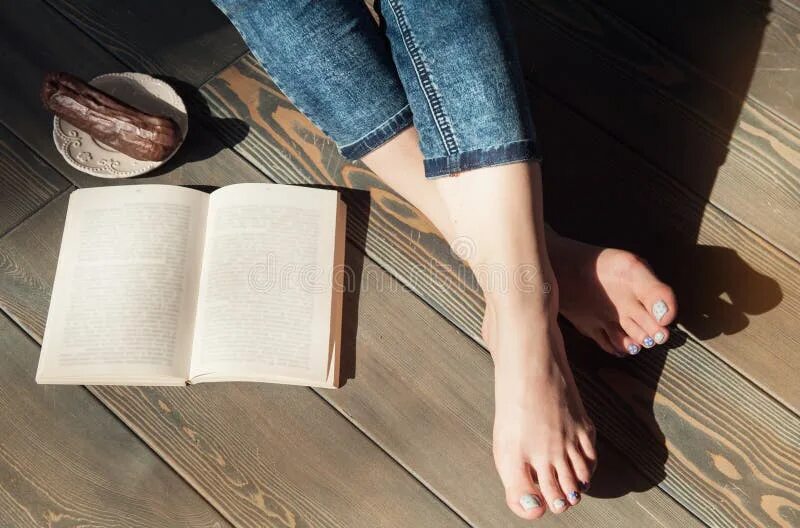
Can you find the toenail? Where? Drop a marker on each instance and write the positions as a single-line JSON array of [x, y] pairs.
[[633, 349], [660, 310], [529, 502], [573, 496], [584, 486], [648, 342], [559, 503], [660, 337]]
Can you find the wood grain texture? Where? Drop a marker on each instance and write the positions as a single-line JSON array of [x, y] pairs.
[[263, 455], [27, 183], [740, 156], [714, 35], [295, 134], [423, 393], [65, 460], [287, 147], [190, 41]]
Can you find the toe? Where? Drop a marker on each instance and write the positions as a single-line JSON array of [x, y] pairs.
[[661, 335], [656, 334], [556, 500], [522, 495], [587, 439], [568, 481], [635, 335], [617, 338], [581, 466], [659, 301]]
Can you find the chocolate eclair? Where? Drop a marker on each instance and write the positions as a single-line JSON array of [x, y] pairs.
[[140, 135]]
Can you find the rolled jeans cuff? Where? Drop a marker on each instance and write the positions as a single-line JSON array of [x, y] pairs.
[[517, 151], [378, 136]]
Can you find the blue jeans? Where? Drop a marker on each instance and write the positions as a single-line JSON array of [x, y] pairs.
[[448, 67]]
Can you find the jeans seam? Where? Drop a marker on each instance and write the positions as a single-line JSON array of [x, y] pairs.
[[429, 90]]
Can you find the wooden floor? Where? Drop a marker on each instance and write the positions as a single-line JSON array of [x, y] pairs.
[[669, 128]]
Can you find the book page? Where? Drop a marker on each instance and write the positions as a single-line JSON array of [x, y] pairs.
[[125, 291], [264, 309]]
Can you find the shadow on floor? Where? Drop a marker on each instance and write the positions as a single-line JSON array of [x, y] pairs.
[[600, 191], [198, 146]]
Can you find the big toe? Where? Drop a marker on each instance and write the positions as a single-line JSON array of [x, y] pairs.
[[522, 495], [657, 297]]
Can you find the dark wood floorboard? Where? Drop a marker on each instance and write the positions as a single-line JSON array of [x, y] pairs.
[[715, 35], [27, 182], [184, 41], [736, 154], [65, 460], [288, 148]]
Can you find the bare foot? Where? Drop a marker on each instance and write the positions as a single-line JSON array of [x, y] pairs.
[[543, 441], [611, 296]]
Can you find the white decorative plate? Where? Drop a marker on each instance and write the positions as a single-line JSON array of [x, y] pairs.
[[141, 91]]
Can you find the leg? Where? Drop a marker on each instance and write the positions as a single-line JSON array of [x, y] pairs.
[[607, 294], [519, 328], [469, 108], [465, 90]]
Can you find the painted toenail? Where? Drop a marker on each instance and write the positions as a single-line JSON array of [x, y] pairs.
[[559, 503], [529, 502], [573, 496], [633, 349], [584, 486], [648, 342], [660, 310], [660, 337]]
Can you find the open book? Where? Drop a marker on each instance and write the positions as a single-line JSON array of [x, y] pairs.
[[164, 285]]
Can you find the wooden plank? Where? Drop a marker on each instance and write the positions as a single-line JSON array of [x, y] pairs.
[[744, 46], [65, 460], [190, 41], [764, 281], [263, 455], [739, 156], [287, 147], [27, 182], [423, 392], [300, 136]]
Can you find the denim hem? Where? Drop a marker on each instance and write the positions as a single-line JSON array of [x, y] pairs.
[[486, 157], [379, 135]]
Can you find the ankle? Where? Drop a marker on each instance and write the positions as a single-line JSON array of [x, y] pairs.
[[526, 288]]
